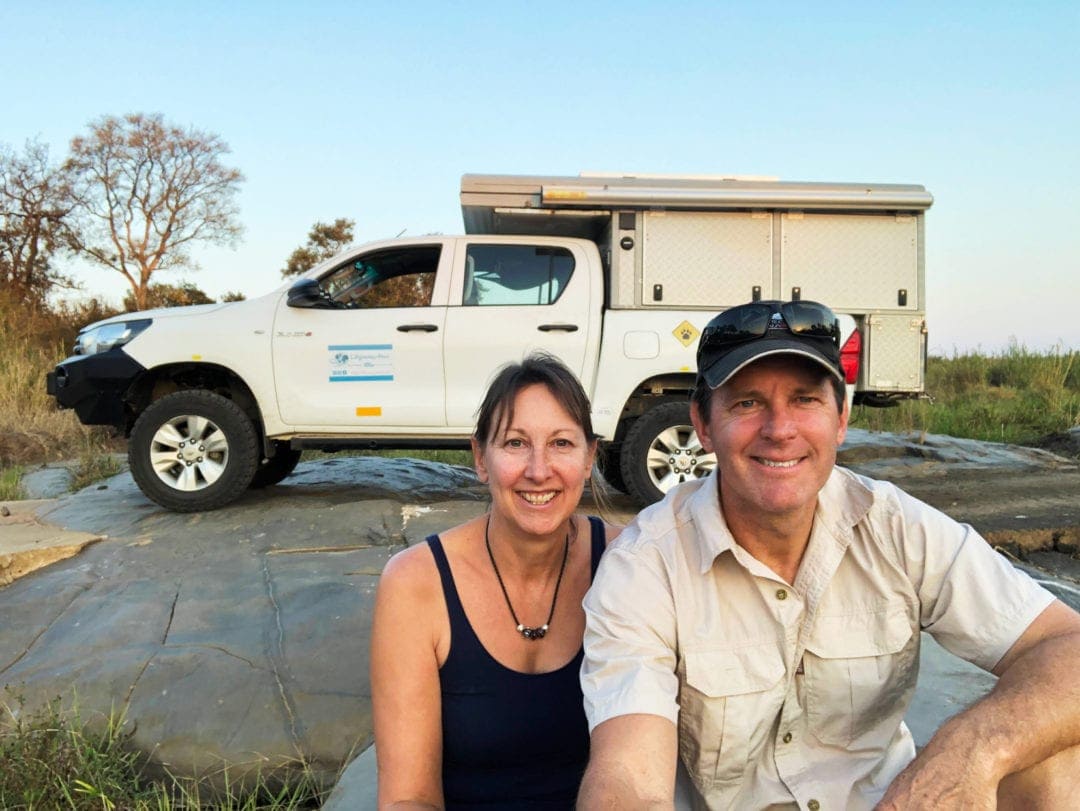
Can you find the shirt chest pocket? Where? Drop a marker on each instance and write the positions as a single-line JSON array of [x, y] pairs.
[[860, 670], [723, 701]]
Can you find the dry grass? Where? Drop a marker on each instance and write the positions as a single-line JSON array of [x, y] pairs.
[[32, 429]]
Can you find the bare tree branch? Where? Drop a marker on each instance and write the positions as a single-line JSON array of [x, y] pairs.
[[35, 221], [146, 190]]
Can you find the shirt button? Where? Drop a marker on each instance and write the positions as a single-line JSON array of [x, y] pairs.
[[787, 738], [813, 805], [781, 594]]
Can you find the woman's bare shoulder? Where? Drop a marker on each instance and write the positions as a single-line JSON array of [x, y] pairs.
[[415, 565]]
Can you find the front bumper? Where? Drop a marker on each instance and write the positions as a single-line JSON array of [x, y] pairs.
[[94, 385]]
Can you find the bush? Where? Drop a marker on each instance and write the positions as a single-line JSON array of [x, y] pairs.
[[1014, 396]]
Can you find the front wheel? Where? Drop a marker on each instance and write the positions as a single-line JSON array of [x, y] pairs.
[[193, 450], [662, 450], [277, 467]]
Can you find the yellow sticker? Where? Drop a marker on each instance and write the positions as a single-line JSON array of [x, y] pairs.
[[686, 333], [369, 411]]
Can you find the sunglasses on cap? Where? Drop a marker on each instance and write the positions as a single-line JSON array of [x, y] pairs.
[[804, 319]]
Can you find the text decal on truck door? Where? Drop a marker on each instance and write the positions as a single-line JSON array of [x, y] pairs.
[[366, 362]]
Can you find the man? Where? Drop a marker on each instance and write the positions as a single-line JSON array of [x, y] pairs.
[[762, 625]]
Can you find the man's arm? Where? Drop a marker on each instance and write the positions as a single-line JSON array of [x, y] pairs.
[[631, 764], [1031, 714]]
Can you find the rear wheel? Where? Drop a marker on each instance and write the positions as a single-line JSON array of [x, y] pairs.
[[662, 450], [275, 468], [610, 464], [193, 450]]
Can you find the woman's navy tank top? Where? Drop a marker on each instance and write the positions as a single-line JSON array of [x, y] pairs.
[[510, 739]]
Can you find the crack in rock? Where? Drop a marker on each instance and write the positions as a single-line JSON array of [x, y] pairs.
[[221, 649], [161, 644], [82, 590], [276, 655]]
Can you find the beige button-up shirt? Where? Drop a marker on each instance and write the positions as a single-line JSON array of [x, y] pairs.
[[792, 694]]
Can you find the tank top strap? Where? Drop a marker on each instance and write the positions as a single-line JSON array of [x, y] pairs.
[[599, 541], [450, 592]]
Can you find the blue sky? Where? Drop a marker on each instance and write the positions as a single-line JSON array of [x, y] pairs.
[[373, 111]]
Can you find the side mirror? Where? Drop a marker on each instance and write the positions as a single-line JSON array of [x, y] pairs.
[[307, 293]]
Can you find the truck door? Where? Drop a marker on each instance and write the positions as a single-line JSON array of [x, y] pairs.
[[515, 298], [372, 355]]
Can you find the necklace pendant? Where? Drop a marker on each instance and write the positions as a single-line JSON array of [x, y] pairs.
[[533, 633]]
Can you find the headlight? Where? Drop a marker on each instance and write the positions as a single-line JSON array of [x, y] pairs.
[[108, 336]]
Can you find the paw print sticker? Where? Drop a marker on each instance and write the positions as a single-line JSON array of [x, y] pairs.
[[686, 333]]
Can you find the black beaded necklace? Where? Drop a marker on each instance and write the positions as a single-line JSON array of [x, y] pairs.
[[540, 631]]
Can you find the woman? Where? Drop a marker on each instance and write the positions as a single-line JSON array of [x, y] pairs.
[[476, 640]]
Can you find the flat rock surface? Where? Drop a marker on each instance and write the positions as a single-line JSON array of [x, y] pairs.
[[240, 636]]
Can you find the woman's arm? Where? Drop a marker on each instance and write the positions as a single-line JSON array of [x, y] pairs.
[[405, 682]]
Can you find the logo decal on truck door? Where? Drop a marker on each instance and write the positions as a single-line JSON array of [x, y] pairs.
[[686, 333], [360, 362]]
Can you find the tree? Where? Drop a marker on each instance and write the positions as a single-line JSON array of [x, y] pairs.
[[233, 295], [323, 241], [160, 294], [35, 215], [146, 191]]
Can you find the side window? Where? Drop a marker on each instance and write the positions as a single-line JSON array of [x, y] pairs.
[[515, 274], [397, 277]]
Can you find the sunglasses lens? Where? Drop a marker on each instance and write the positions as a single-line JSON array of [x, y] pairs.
[[738, 324], [811, 319]]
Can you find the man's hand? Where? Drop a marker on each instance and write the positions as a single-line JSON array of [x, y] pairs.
[[943, 776], [1032, 714]]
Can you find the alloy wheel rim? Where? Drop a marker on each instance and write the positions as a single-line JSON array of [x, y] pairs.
[[189, 452], [676, 456]]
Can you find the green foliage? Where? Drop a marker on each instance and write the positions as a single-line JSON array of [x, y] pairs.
[[11, 488], [233, 295], [53, 759], [1016, 396], [93, 466], [323, 241], [183, 294]]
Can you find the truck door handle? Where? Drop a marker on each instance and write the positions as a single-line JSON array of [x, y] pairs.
[[417, 328], [557, 327]]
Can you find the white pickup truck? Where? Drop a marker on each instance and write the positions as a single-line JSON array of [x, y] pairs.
[[391, 344]]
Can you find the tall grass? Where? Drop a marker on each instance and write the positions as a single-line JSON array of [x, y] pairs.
[[52, 759], [1016, 395], [32, 429]]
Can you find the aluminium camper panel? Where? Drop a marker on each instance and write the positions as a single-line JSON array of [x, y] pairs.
[[895, 352], [705, 258], [855, 262]]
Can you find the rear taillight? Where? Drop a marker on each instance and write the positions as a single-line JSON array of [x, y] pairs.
[[850, 353]]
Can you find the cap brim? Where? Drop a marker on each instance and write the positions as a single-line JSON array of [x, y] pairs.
[[726, 366]]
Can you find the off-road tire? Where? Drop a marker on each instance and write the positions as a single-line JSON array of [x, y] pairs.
[[275, 468], [608, 459], [661, 434], [197, 420]]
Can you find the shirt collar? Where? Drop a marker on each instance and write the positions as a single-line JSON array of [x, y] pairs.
[[842, 503]]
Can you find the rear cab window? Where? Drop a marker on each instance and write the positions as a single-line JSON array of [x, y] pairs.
[[498, 275]]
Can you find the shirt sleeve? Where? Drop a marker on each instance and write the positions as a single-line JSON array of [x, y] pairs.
[[630, 640], [972, 600]]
